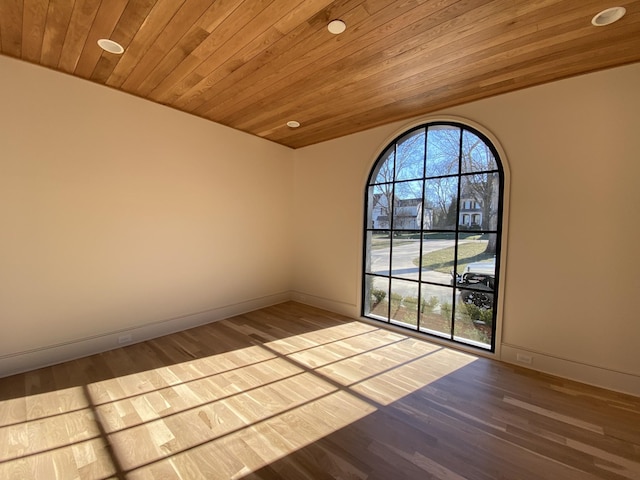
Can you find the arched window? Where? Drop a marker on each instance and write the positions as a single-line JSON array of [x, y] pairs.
[[433, 219]]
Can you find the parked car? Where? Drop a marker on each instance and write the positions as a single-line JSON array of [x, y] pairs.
[[478, 283]]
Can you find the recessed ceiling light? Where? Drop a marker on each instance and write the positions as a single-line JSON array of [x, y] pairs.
[[293, 124], [110, 46], [336, 26], [608, 16]]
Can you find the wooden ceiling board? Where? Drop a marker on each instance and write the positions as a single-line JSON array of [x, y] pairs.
[[255, 64], [156, 47], [490, 59], [372, 71], [458, 89], [34, 18], [82, 18], [246, 40], [238, 91], [295, 42], [155, 25], [470, 83], [11, 13], [157, 68], [131, 25], [291, 75], [184, 75], [373, 75], [105, 22], [55, 31]]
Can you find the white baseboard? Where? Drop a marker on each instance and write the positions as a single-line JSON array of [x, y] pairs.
[[590, 374], [52, 354], [343, 308]]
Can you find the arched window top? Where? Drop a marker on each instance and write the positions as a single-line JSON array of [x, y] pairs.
[[451, 149], [432, 233]]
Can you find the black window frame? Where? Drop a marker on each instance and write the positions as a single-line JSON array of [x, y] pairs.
[[367, 229]]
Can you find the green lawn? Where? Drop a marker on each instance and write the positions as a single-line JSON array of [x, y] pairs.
[[442, 260]]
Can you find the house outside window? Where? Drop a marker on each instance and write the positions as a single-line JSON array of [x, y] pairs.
[[433, 218]]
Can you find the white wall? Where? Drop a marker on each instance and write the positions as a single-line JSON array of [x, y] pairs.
[[117, 213], [573, 268]]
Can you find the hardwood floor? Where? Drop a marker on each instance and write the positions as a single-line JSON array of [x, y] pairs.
[[294, 392]]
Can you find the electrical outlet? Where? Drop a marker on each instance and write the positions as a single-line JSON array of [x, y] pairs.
[[125, 338], [522, 358]]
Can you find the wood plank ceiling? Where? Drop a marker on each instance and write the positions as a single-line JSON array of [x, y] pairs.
[[255, 64]]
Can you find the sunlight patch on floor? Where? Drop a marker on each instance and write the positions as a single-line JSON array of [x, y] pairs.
[[227, 414]]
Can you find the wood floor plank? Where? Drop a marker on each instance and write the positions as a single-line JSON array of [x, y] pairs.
[[295, 392]]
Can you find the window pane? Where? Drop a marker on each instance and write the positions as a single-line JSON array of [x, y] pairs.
[[404, 303], [384, 170], [410, 156], [378, 211], [408, 203], [479, 200], [378, 253], [473, 325], [443, 149], [441, 200], [476, 289], [438, 253], [406, 255], [436, 310], [376, 296], [476, 155], [477, 253]]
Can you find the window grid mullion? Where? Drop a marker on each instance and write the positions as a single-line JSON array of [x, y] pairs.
[[457, 240], [392, 187], [422, 212], [391, 209]]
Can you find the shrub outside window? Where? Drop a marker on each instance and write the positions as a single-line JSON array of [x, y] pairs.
[[433, 218]]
